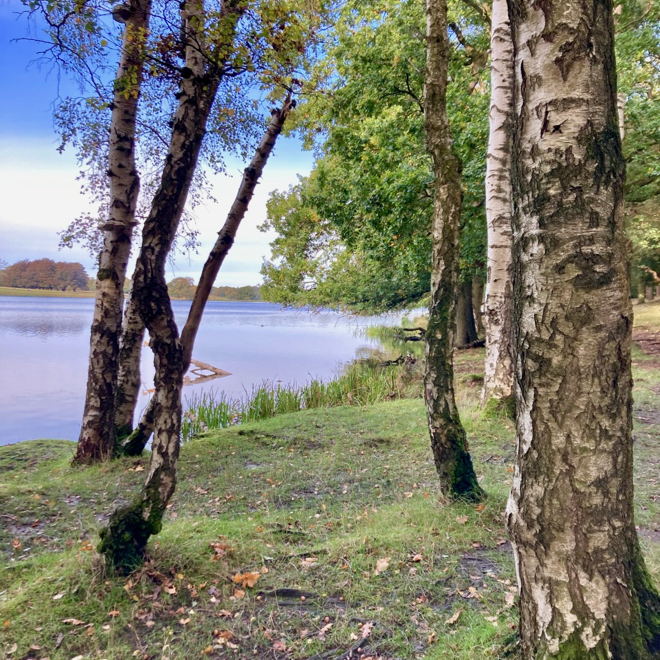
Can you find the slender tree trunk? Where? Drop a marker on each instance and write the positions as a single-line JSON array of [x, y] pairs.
[[124, 540], [477, 302], [448, 439], [498, 378], [97, 439], [135, 444], [129, 376], [466, 329], [584, 589]]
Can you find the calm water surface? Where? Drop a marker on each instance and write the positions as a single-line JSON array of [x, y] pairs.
[[44, 345]]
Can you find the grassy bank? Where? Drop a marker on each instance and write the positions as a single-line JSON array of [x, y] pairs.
[[44, 293], [303, 536]]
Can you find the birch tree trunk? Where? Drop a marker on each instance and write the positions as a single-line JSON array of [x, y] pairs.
[[135, 444], [124, 540], [584, 589], [129, 376], [498, 378], [477, 302], [97, 438], [448, 439], [466, 329]]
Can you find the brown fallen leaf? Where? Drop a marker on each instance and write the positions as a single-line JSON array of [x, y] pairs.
[[114, 613], [461, 520], [454, 617], [308, 562], [225, 614], [74, 622], [480, 507], [279, 645], [238, 594], [58, 596], [365, 630], [16, 544], [184, 622], [416, 558], [381, 565], [509, 598], [224, 634], [246, 579], [170, 589], [13, 649]]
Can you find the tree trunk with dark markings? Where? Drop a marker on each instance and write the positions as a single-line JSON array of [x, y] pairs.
[[134, 444], [124, 540], [448, 439], [584, 589], [97, 437]]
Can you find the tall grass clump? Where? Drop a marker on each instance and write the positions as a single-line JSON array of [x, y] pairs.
[[361, 384]]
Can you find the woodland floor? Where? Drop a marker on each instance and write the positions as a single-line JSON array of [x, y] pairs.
[[319, 535]]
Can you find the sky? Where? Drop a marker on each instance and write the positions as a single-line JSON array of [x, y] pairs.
[[39, 193]]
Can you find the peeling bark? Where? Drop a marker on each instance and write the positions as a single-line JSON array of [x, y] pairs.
[[584, 589], [498, 378], [135, 444], [448, 439], [97, 439], [124, 541]]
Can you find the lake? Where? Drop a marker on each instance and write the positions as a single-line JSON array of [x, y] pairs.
[[44, 346]]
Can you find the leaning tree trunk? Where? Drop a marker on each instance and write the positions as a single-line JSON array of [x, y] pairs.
[[124, 540], [134, 444], [584, 589], [97, 438], [498, 378], [129, 376], [448, 439]]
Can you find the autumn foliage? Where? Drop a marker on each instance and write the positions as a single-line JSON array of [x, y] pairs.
[[45, 274]]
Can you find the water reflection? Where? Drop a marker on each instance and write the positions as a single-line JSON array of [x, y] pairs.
[[44, 345], [25, 317]]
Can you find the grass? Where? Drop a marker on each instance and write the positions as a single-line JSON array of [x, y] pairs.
[[44, 293], [361, 384], [291, 537]]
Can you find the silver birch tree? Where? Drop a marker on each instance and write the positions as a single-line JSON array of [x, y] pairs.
[[498, 378], [584, 589], [97, 437]]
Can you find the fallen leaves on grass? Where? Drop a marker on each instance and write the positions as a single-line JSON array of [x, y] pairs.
[[308, 562], [74, 622], [454, 617], [279, 645], [382, 565], [461, 520], [59, 596], [246, 579]]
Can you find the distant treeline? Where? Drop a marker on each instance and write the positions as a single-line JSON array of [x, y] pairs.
[[44, 274], [184, 288]]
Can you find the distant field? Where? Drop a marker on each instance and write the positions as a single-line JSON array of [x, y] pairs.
[[44, 293]]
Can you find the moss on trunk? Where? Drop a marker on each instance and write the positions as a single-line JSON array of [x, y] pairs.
[[124, 540]]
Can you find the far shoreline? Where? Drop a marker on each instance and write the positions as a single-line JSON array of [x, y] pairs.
[[12, 292]]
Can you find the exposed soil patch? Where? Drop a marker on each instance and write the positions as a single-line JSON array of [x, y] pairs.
[[647, 340]]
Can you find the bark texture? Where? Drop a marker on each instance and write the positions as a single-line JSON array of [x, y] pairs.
[[129, 378], [97, 439], [448, 439], [477, 303], [498, 378], [124, 541], [135, 444], [466, 329], [584, 590]]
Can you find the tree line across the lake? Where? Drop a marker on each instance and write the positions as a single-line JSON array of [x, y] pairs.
[[49, 275], [458, 144]]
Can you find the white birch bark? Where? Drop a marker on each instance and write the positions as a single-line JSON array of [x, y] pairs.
[[97, 438], [584, 590], [498, 378]]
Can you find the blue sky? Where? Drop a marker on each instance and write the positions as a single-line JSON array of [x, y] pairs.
[[38, 187]]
